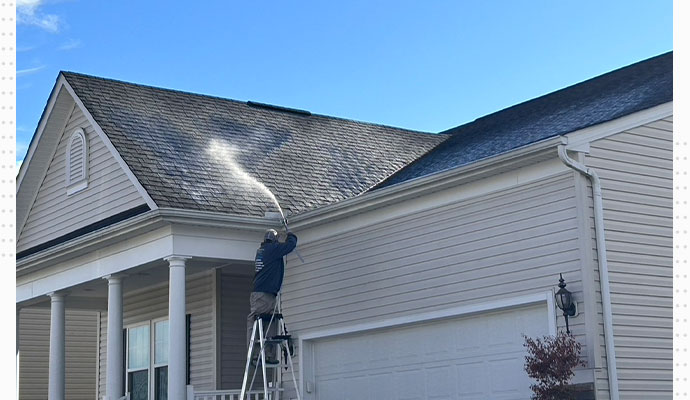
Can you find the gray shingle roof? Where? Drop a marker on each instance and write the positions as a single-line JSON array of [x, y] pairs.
[[613, 95], [188, 150]]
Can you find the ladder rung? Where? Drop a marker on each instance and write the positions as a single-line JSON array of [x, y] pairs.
[[269, 316], [281, 337]]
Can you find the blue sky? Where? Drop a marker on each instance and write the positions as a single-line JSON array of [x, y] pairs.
[[419, 65]]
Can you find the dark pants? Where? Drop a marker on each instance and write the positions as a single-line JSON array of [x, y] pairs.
[[262, 303]]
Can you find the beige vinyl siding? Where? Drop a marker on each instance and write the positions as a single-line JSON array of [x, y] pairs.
[[234, 307], [151, 303], [504, 244], [80, 354], [55, 213], [636, 171]]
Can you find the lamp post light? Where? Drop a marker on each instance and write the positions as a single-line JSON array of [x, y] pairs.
[[564, 300]]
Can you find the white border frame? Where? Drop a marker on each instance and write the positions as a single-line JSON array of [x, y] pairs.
[[455, 312]]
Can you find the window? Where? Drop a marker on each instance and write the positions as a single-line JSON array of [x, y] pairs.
[[147, 360], [76, 163]]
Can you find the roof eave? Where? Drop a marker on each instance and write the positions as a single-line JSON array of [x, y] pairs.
[[427, 184], [149, 220]]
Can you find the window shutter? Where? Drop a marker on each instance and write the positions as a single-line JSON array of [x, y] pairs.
[[189, 331], [124, 360]]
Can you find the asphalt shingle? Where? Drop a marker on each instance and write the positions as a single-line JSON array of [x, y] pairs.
[[192, 151], [613, 95]]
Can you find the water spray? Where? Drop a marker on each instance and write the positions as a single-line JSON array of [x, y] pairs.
[[225, 154]]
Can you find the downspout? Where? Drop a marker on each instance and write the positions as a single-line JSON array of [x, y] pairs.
[[603, 264]]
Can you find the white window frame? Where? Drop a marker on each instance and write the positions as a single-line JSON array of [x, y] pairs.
[[82, 183], [152, 354]]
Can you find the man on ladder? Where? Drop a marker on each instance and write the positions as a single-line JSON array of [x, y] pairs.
[[263, 303]]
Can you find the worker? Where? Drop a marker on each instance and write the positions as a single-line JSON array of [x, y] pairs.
[[268, 278]]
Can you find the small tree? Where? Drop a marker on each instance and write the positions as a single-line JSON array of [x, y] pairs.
[[551, 361]]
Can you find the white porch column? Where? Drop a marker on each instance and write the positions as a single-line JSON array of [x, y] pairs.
[[177, 381], [114, 361], [56, 358]]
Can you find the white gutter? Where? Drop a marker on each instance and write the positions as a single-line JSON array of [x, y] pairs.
[[603, 264], [421, 185]]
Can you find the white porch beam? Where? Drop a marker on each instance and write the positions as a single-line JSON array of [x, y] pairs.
[[177, 330], [56, 358], [114, 361]]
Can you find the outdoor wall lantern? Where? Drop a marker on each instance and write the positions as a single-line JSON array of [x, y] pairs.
[[564, 300]]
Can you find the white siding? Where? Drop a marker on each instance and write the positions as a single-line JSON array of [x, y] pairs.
[[54, 213], [151, 303], [234, 307], [80, 354], [507, 243], [636, 170]]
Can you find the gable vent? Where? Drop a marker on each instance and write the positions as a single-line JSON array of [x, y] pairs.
[[76, 165]]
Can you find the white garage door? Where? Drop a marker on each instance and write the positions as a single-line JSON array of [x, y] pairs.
[[475, 357]]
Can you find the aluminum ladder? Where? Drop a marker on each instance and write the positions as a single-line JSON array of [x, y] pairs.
[[284, 349]]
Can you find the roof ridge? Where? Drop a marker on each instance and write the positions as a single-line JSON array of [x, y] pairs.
[[243, 103]]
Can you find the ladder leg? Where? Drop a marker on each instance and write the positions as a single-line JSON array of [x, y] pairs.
[[292, 368], [249, 357], [262, 343]]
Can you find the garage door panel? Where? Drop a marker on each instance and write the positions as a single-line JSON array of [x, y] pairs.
[[410, 385], [471, 379], [504, 378], [436, 379], [473, 357], [382, 386]]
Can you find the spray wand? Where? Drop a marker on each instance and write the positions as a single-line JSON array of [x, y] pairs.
[[285, 223]]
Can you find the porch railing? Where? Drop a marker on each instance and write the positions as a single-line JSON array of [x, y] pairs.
[[229, 394]]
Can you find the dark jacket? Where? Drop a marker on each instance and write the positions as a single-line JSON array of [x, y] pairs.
[[269, 264]]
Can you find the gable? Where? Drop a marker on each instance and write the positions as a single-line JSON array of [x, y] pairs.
[[60, 207]]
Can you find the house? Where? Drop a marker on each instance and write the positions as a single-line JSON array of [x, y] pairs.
[[426, 256]]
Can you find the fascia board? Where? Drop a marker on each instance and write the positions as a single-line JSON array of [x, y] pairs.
[[39, 130], [579, 140], [215, 219], [99, 238], [138, 224], [426, 184], [109, 145], [23, 212]]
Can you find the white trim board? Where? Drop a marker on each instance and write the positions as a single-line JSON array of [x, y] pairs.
[[465, 310], [455, 312], [23, 216]]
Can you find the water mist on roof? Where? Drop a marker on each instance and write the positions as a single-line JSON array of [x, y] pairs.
[[226, 154]]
